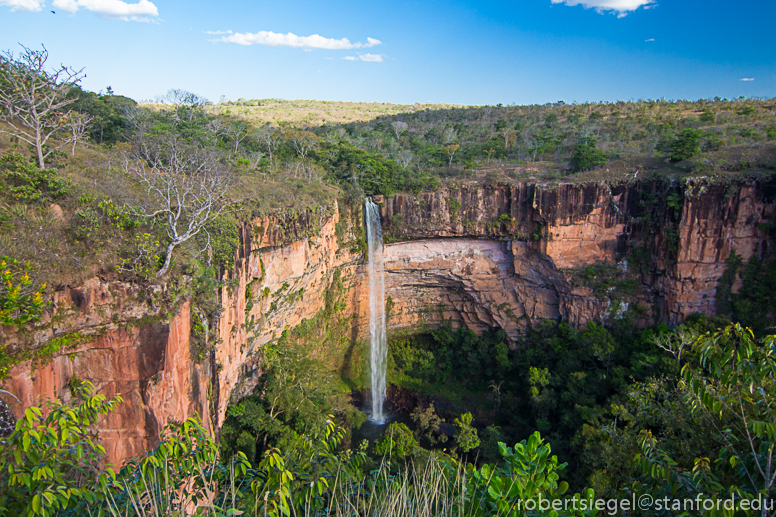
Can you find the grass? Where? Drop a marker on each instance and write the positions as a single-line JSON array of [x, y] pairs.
[[311, 113]]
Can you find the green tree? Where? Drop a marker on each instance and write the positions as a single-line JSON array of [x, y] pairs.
[[466, 435], [51, 460], [708, 116], [427, 424], [686, 145], [734, 391], [109, 123], [586, 155], [397, 443]]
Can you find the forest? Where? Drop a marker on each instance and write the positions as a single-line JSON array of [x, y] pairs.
[[155, 194]]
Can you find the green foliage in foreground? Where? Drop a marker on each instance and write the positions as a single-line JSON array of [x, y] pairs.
[[50, 464], [50, 467]]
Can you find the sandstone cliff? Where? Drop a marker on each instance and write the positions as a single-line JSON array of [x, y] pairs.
[[506, 256], [546, 233]]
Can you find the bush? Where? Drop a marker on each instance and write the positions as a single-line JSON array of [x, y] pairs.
[[27, 182], [397, 443], [686, 145], [50, 462], [587, 156], [20, 302]]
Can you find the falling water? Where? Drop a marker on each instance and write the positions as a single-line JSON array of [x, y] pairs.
[[378, 341]]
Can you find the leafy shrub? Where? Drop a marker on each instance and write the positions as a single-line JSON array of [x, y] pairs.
[[397, 443], [86, 224], [50, 461], [686, 145], [29, 183], [120, 217], [587, 156], [20, 302], [529, 472], [708, 116]]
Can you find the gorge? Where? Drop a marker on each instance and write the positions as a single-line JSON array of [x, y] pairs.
[[479, 256]]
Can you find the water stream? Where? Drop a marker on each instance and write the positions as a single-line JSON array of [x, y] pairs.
[[378, 350]]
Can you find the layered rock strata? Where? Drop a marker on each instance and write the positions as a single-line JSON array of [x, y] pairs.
[[689, 231], [502, 256]]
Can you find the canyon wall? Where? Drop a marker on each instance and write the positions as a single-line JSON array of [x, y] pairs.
[[546, 234], [117, 336], [479, 256]]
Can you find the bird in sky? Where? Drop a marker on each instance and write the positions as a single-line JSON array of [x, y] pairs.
[[53, 12]]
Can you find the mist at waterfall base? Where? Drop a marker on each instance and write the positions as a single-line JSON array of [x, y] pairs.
[[378, 341]]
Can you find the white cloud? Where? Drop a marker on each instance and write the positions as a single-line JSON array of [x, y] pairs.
[[217, 32], [748, 79], [648, 40], [373, 58], [114, 9], [23, 5], [622, 7], [274, 39]]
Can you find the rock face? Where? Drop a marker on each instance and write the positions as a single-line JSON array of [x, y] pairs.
[[147, 364], [503, 256], [118, 339], [480, 284], [688, 232]]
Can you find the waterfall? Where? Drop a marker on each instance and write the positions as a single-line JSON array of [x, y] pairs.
[[378, 350]]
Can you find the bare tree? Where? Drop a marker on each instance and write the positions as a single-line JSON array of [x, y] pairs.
[[178, 97], [405, 159], [78, 123], [33, 101], [448, 136], [238, 130], [271, 137], [303, 141], [304, 168], [675, 343], [255, 158], [336, 135], [509, 136], [399, 127], [374, 141], [187, 185], [451, 149]]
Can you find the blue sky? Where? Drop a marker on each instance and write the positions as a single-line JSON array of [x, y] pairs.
[[463, 52]]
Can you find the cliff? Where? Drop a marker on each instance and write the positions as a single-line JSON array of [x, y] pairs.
[[526, 243], [117, 336], [481, 256]]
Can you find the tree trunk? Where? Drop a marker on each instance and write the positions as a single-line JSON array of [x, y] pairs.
[[167, 259], [39, 149]]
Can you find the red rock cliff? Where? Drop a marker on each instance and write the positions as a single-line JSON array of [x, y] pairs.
[[482, 256]]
